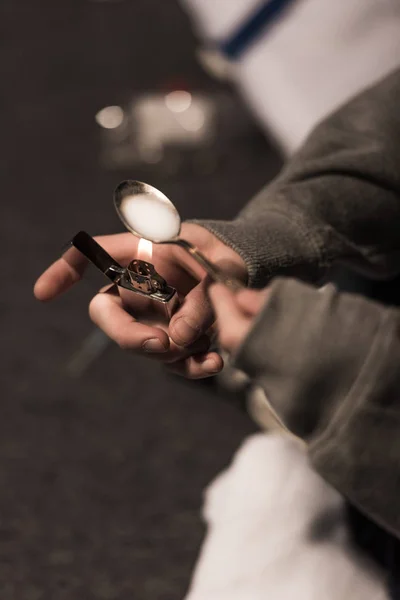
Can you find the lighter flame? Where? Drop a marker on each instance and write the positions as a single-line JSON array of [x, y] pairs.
[[145, 250]]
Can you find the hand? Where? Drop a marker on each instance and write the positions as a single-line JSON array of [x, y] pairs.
[[235, 313], [184, 345]]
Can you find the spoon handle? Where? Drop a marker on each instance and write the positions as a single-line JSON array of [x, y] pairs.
[[214, 272]]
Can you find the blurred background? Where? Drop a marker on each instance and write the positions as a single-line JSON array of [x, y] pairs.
[[102, 465]]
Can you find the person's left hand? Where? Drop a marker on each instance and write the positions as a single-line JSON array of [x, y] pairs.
[[235, 313]]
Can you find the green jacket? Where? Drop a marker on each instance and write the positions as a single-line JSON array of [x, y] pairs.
[[329, 362]]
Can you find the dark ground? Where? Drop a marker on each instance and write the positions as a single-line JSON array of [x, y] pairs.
[[100, 477]]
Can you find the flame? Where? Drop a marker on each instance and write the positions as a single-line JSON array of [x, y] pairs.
[[145, 250]]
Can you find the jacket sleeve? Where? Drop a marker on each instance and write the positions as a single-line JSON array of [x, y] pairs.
[[337, 201], [329, 364]]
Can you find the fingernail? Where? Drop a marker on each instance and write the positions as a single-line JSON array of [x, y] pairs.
[[185, 330], [210, 366], [154, 345]]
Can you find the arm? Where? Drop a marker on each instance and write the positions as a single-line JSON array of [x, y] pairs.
[[338, 200], [329, 365]]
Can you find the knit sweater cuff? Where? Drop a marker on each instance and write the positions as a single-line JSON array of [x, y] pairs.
[[269, 247]]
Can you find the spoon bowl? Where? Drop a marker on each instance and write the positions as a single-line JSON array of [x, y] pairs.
[[146, 212]]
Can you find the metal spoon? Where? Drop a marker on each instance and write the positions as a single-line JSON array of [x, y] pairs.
[[149, 214]]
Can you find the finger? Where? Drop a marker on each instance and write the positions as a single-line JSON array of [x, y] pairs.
[[251, 301], [58, 278], [107, 312], [177, 353], [198, 367], [232, 322], [173, 353], [69, 269], [193, 318], [225, 305]]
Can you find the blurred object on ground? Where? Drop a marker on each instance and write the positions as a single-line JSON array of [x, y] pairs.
[[178, 132]]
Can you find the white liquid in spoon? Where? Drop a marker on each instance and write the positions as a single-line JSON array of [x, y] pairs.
[[153, 218]]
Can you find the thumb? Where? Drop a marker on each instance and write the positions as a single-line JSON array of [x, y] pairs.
[[232, 323], [194, 317]]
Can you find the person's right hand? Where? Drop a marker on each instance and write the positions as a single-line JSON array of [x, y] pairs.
[[184, 344]]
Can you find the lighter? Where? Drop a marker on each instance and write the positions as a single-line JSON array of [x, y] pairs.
[[140, 277]]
